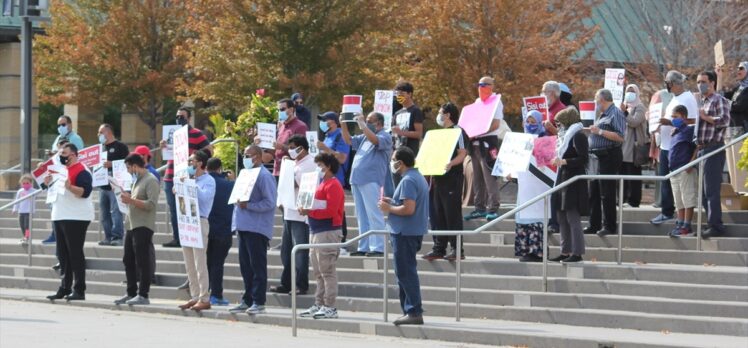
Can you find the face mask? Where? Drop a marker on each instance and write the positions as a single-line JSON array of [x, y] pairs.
[[372, 128], [400, 99], [62, 130], [630, 97], [282, 116], [668, 87], [394, 167], [484, 92], [191, 171], [64, 160], [134, 177], [440, 120], [26, 186], [678, 122], [248, 163], [181, 121], [703, 88], [531, 128], [293, 153], [323, 126], [102, 139]]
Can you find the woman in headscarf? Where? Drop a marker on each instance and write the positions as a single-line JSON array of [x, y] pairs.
[[572, 202], [635, 136], [738, 95]]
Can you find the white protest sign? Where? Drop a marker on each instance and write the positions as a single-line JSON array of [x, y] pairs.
[[117, 189], [719, 54], [655, 113], [266, 131], [120, 174], [188, 214], [167, 133], [383, 104], [181, 140], [244, 185], [311, 138], [57, 188], [514, 154], [614, 80], [307, 188], [286, 183], [100, 176]]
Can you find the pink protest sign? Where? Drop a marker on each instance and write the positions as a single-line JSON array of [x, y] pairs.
[[537, 103], [544, 151], [476, 118]]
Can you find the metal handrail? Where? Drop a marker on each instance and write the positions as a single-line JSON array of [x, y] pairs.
[[545, 196], [31, 217], [13, 169]]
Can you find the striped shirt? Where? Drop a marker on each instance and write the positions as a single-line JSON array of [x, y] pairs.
[[718, 107], [198, 140], [611, 120]]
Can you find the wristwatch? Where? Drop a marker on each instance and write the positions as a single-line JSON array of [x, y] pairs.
[[600, 132]]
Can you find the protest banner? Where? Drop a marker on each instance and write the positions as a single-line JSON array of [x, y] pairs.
[[244, 185], [307, 188], [352, 104], [719, 54], [286, 184], [655, 114], [120, 174], [614, 82], [436, 150], [383, 104], [188, 214], [539, 103], [167, 133], [117, 189], [476, 118], [181, 141], [544, 151], [311, 138], [100, 176], [514, 155], [266, 131], [40, 172], [91, 156]]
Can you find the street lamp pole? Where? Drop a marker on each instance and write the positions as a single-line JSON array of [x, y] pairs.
[[26, 116]]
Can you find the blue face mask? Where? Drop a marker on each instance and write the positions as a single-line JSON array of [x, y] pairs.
[[248, 163], [532, 128], [678, 122], [323, 126], [191, 170], [62, 130], [102, 139], [282, 116]]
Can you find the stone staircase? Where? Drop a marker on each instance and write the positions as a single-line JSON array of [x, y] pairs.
[[665, 294]]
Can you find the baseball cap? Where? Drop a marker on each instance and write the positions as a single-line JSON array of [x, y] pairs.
[[143, 150], [330, 115]]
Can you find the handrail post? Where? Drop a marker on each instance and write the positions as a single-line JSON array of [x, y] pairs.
[[619, 256], [236, 158], [546, 247], [31, 226], [458, 281], [385, 286], [293, 291], [700, 197]]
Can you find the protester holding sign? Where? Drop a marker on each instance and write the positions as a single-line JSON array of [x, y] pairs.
[[72, 212], [290, 125], [253, 221], [445, 196], [197, 141], [635, 144], [552, 92], [110, 217]]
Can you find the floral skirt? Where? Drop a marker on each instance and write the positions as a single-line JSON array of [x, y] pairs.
[[528, 239]]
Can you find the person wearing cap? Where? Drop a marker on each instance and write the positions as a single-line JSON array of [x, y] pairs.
[[334, 144], [484, 149], [301, 111], [738, 95], [145, 152], [552, 92]]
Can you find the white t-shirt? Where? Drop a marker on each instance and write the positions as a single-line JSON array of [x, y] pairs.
[[304, 165], [689, 101]]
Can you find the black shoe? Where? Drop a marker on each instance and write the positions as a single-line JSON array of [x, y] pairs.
[[452, 256], [374, 254], [59, 295], [712, 232], [280, 289], [590, 230], [302, 292], [433, 255], [56, 267], [604, 232], [558, 258], [409, 320], [173, 244], [75, 296], [531, 258], [572, 259], [357, 253]]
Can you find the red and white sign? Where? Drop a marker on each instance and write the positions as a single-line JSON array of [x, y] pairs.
[[587, 110], [383, 105], [181, 151], [352, 103], [91, 156], [40, 173], [539, 103]]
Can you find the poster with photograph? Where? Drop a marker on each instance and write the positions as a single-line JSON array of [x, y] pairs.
[[312, 138], [188, 214], [307, 188], [167, 133], [614, 82]]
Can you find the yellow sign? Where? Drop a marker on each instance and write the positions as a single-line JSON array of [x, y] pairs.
[[436, 150]]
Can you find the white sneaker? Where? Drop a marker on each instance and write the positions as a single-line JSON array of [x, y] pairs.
[[256, 309], [326, 313], [344, 252], [311, 311]]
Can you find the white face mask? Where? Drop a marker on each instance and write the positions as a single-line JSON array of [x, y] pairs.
[[394, 167], [440, 120], [293, 153]]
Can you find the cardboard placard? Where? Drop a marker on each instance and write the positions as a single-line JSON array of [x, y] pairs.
[[307, 188], [436, 150], [286, 184], [244, 185], [614, 82], [167, 133], [117, 189], [539, 103], [92, 156], [514, 154], [188, 214], [719, 54], [120, 175], [476, 118], [383, 104], [655, 114], [181, 141], [267, 133]]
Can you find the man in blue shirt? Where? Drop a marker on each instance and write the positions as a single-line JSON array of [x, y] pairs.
[[220, 236], [369, 170], [408, 211], [334, 144], [253, 220], [606, 138], [65, 131]]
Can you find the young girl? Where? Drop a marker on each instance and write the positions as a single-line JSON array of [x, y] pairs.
[[25, 208]]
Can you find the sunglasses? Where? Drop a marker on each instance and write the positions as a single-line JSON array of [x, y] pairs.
[[741, 68], [483, 84]]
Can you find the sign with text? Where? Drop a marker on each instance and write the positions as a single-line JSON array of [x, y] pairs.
[[436, 150], [266, 132], [167, 133], [117, 189], [188, 214], [91, 156], [244, 185], [614, 82], [655, 114], [286, 184], [181, 141], [539, 103], [307, 188], [383, 104], [476, 118], [514, 155], [120, 174]]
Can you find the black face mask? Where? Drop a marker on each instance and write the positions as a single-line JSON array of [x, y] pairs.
[[181, 121], [64, 160], [668, 87]]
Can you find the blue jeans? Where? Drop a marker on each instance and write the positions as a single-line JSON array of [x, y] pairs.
[[111, 217], [369, 216], [712, 184], [666, 191], [253, 264], [171, 202], [295, 232], [404, 249], [218, 249]]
